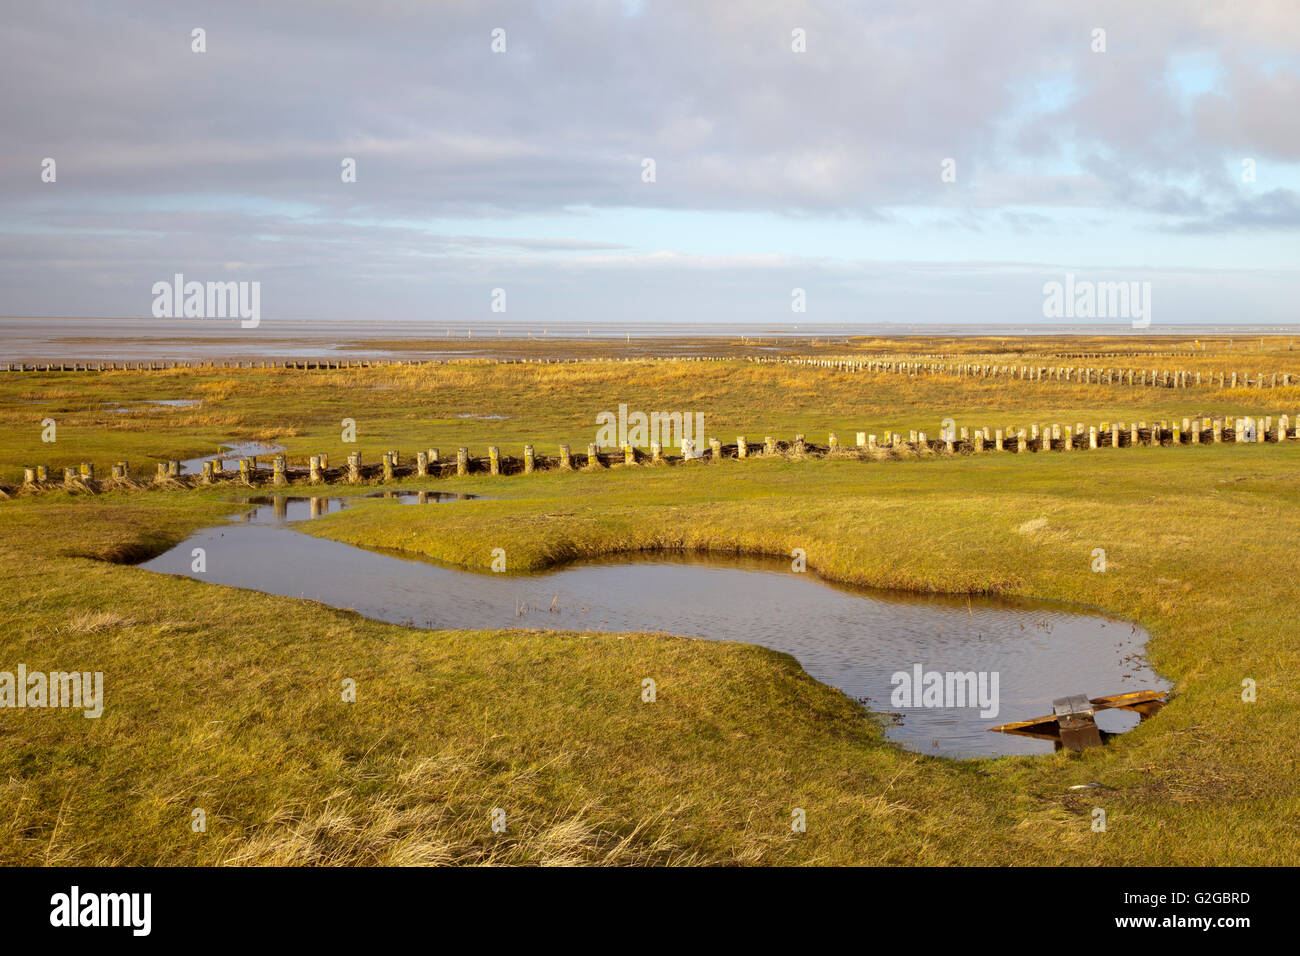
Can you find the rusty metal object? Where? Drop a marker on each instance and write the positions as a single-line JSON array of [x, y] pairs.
[[1076, 723]]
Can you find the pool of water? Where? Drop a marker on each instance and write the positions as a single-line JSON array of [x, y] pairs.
[[119, 408], [230, 455], [854, 640]]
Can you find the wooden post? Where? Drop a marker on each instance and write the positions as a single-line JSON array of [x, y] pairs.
[[69, 477], [629, 454], [566, 459], [245, 471], [42, 472], [769, 445], [979, 440], [494, 460], [1067, 438], [1022, 445], [324, 461], [433, 455], [462, 461], [421, 464], [206, 476], [126, 469], [1133, 436], [529, 460], [871, 442], [29, 476], [1283, 423], [593, 455], [998, 440], [354, 467], [1217, 431], [742, 449], [1196, 432], [279, 470], [798, 445], [314, 464], [862, 439], [833, 443], [656, 452]]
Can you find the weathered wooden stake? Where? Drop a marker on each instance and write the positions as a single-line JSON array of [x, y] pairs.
[[593, 455], [314, 464], [656, 452], [629, 454], [742, 449], [494, 460], [462, 461], [29, 476], [566, 459], [354, 467], [388, 465], [529, 460], [279, 470], [769, 445]]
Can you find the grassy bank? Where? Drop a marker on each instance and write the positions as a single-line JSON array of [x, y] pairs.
[[230, 701]]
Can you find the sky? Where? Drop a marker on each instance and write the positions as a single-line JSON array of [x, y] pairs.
[[910, 162]]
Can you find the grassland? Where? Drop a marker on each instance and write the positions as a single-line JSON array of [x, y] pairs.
[[229, 701]]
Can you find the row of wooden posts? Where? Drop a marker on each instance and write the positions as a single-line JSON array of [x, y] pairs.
[[429, 463], [1155, 378], [1158, 378]]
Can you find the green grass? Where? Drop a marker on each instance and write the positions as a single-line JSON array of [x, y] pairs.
[[230, 701], [418, 407]]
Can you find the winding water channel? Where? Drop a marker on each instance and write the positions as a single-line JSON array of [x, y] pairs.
[[851, 639]]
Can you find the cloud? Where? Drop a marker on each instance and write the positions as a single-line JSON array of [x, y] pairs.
[[167, 157]]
